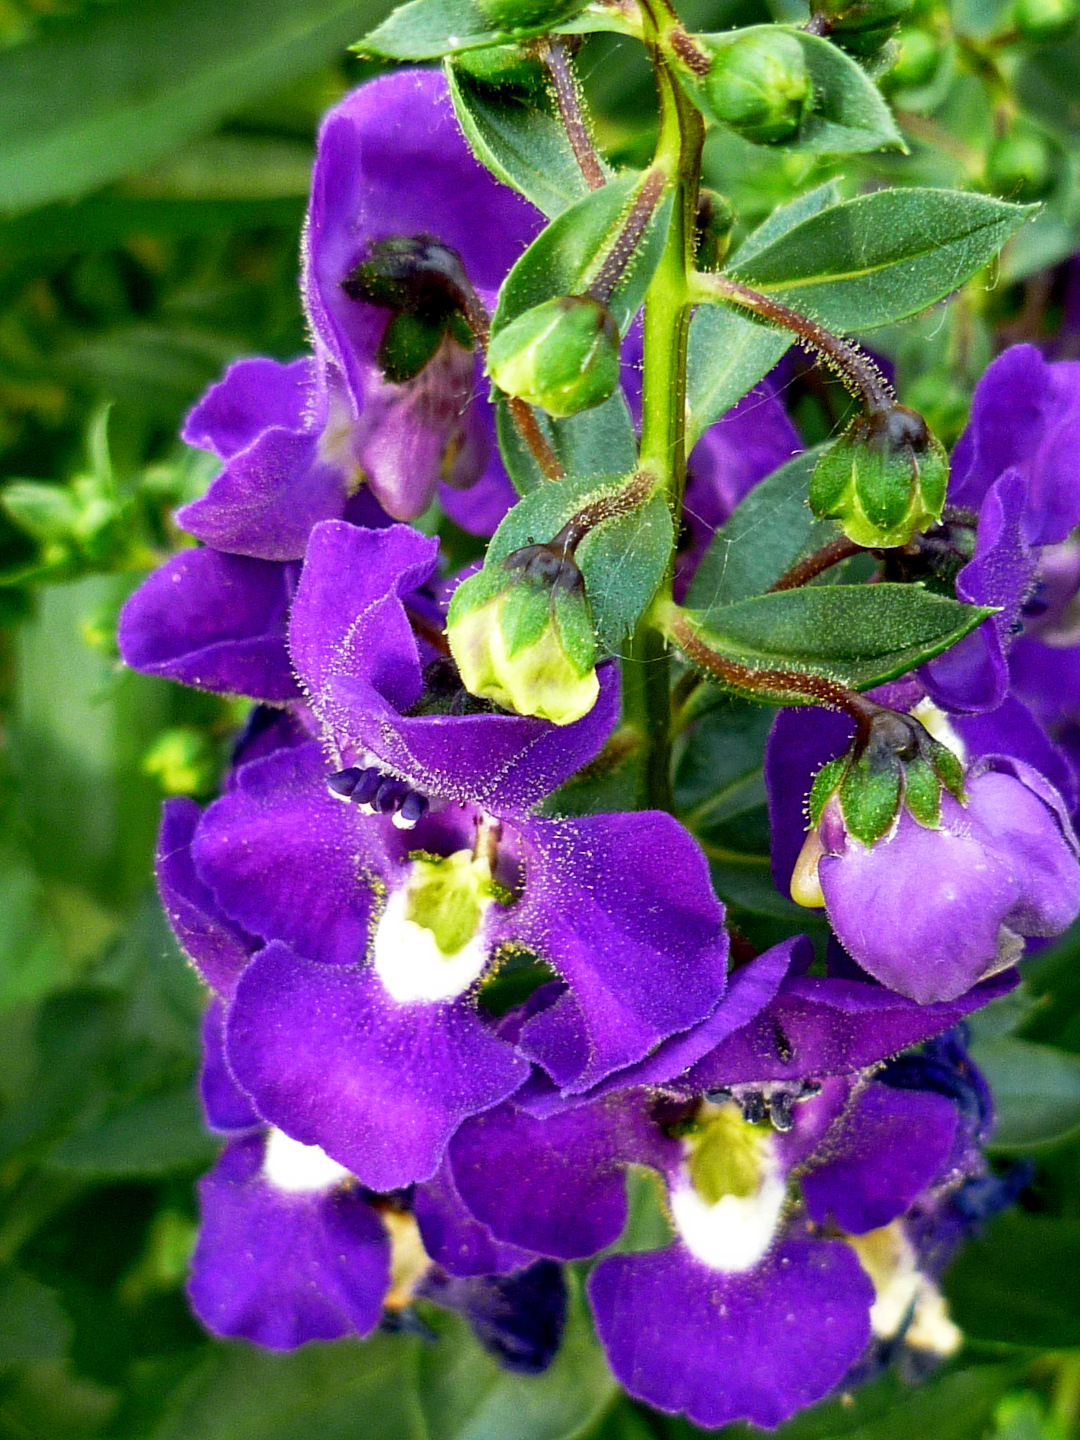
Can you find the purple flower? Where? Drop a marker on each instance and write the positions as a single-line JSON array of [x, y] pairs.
[[405, 222], [927, 911]]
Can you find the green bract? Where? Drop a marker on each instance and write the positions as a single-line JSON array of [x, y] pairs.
[[562, 356], [883, 479]]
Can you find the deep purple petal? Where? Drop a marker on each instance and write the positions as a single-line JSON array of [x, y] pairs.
[[213, 621], [227, 1108], [554, 1186], [799, 743], [721, 1347], [289, 862], [268, 497], [281, 1269], [1012, 729], [622, 908], [333, 1061], [892, 1145], [249, 398], [218, 948], [820, 1025], [348, 617], [454, 1238]]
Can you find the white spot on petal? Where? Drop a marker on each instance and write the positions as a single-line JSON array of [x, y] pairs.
[[299, 1169], [410, 964], [737, 1231]]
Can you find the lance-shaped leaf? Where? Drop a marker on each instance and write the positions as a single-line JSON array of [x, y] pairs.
[[848, 115], [858, 635], [622, 560], [1036, 1092], [771, 528], [518, 135], [592, 443], [883, 256], [430, 29], [729, 353], [571, 253]]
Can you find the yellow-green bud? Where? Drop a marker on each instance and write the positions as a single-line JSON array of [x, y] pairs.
[[522, 635], [1020, 165], [562, 356], [883, 479], [760, 86], [918, 55], [512, 15], [1043, 21]]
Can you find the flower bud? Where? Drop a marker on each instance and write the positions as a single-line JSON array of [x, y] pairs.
[[918, 54], [1043, 21], [883, 479], [760, 85], [865, 26], [562, 356], [712, 230], [522, 635], [514, 15], [1020, 165]]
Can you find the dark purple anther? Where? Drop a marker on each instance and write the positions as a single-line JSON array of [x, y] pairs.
[[343, 782], [412, 809], [366, 787], [389, 796]]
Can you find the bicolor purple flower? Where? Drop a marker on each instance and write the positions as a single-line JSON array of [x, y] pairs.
[[928, 911], [404, 222]]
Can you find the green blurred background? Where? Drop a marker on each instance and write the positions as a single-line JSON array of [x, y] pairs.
[[154, 163]]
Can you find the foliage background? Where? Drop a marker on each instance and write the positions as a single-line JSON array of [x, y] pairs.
[[154, 163]]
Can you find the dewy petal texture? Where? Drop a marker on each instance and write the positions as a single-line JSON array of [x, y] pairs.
[[622, 908], [353, 649], [332, 1060], [719, 1347], [213, 621]]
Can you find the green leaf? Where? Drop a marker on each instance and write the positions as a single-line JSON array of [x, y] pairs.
[[430, 29], [565, 257], [336, 1392], [519, 137], [728, 355], [786, 217], [150, 1135], [859, 635], [1016, 1284], [622, 560], [848, 115], [882, 256], [765, 534], [594, 442], [121, 85], [33, 1324], [1036, 1092], [467, 1395]]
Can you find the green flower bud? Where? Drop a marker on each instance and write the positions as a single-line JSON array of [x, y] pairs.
[[883, 479], [562, 356], [1020, 165], [1043, 21], [712, 232], [760, 86], [514, 15], [522, 635], [918, 55]]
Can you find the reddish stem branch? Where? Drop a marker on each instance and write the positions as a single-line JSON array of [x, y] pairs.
[[564, 89], [807, 569]]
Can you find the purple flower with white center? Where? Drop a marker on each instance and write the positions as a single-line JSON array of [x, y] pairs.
[[928, 911], [391, 266]]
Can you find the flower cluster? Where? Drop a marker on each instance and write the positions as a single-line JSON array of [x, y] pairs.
[[446, 1020]]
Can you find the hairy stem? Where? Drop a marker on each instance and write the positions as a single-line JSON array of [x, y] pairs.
[[529, 429], [856, 370], [808, 568], [564, 88]]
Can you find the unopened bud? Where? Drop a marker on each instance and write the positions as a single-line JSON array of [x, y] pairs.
[[917, 58], [514, 15], [522, 635], [1020, 165], [865, 26], [760, 86], [712, 230], [1043, 21], [562, 356], [883, 479]]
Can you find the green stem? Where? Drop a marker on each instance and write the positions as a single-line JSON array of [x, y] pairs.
[[663, 413]]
